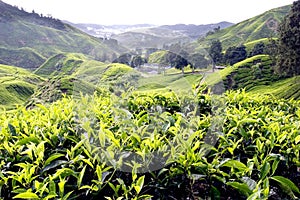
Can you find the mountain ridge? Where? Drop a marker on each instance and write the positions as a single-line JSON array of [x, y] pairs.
[[34, 35]]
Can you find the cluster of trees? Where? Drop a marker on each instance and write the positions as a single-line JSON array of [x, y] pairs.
[[131, 60], [236, 54], [172, 59]]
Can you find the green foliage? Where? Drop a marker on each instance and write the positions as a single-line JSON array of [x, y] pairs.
[[258, 49], [251, 73], [26, 58], [62, 64]]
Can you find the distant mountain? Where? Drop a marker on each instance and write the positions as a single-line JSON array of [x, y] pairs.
[[157, 37], [261, 26], [28, 39], [148, 35], [195, 31]]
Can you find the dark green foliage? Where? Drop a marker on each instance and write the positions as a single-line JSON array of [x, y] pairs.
[[123, 59], [168, 58], [258, 49], [272, 50], [215, 52], [235, 54], [176, 61], [198, 60], [130, 60], [137, 61], [288, 63]]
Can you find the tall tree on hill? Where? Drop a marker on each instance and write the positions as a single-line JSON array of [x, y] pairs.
[[235, 54], [288, 63], [215, 52]]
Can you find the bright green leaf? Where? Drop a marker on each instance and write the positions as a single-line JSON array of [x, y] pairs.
[[26, 195]]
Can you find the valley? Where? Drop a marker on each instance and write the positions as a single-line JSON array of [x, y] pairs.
[[143, 111]]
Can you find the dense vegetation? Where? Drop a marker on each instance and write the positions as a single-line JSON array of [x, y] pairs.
[[171, 146]]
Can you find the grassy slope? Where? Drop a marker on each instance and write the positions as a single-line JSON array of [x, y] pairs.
[[261, 26], [16, 85]]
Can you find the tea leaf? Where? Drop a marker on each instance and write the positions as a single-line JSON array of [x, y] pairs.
[[26, 195]]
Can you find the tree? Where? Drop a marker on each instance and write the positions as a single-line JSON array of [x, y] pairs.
[[198, 60], [235, 54], [272, 50], [176, 61], [288, 63], [137, 61], [124, 59], [215, 52], [258, 49]]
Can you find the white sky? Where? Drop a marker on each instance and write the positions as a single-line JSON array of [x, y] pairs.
[[156, 12]]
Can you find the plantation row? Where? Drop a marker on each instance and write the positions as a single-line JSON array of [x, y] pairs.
[[152, 146]]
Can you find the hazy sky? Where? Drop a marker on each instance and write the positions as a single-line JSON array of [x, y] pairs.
[[150, 11]]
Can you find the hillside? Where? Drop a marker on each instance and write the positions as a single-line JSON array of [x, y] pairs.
[[16, 85], [258, 27], [39, 37]]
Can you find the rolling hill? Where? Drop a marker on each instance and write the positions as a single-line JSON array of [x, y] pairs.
[[29, 36]]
